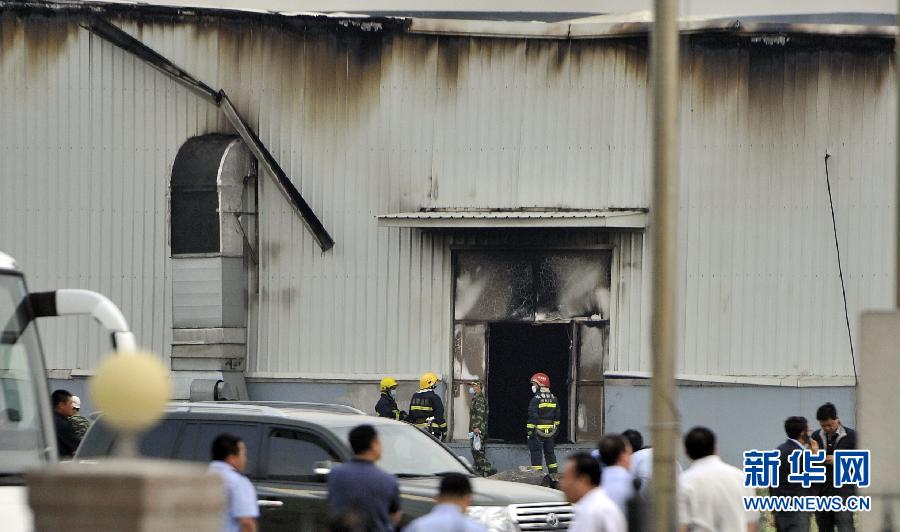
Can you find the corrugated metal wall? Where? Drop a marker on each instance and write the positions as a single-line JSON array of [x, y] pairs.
[[761, 293], [369, 124], [88, 139]]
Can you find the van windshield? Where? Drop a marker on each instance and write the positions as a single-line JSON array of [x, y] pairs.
[[23, 443], [408, 452]]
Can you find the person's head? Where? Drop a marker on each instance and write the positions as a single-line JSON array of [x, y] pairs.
[[795, 427], [62, 402], [388, 385], [581, 474], [428, 381], [540, 381], [230, 449], [635, 439], [475, 387], [456, 489], [365, 443], [76, 403], [699, 443], [614, 450], [828, 419]]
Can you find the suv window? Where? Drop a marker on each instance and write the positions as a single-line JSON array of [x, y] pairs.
[[293, 454], [196, 444], [159, 442]]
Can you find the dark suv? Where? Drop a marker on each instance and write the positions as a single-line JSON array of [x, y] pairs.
[[290, 447]]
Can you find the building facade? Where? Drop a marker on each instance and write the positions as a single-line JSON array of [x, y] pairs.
[[487, 188]]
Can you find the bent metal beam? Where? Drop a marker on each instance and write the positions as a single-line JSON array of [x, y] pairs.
[[118, 37]]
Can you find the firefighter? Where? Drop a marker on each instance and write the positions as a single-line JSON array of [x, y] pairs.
[[543, 423], [387, 403], [426, 410]]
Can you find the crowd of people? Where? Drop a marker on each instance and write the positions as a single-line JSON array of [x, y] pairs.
[[608, 487], [426, 411]]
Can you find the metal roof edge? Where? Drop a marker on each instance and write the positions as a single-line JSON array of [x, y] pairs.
[[619, 29], [615, 28], [339, 21]]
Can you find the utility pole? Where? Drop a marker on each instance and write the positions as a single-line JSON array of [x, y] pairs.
[[665, 80]]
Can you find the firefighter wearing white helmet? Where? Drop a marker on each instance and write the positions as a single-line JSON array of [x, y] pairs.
[[387, 403], [426, 410], [543, 423]]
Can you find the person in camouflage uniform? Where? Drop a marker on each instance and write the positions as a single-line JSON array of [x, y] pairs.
[[79, 422], [478, 426]]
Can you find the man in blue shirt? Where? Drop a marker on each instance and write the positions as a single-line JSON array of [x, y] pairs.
[[229, 459], [618, 482], [361, 486], [449, 514]]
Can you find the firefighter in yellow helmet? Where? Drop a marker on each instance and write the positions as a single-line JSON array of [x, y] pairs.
[[387, 403], [426, 410]]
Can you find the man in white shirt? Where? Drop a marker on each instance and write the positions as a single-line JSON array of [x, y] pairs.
[[449, 514], [711, 492], [641, 466], [229, 459], [594, 510], [617, 481]]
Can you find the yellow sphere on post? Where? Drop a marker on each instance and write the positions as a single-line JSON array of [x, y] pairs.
[[131, 390]]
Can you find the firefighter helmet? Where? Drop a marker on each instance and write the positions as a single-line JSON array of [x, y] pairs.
[[387, 383], [428, 380], [541, 379]]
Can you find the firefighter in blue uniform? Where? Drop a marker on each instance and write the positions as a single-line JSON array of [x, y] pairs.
[[387, 403], [543, 423], [426, 410]]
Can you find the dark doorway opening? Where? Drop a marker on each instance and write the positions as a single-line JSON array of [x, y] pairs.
[[516, 351]]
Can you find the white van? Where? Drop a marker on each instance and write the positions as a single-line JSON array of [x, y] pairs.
[[27, 439]]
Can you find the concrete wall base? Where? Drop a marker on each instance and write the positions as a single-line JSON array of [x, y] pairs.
[[128, 495]]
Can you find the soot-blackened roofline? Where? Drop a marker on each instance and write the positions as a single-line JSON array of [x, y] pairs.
[[828, 26]]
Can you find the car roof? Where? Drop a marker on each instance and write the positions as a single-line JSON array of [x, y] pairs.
[[289, 406], [332, 415]]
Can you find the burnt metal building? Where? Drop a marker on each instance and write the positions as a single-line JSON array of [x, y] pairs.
[[300, 204]]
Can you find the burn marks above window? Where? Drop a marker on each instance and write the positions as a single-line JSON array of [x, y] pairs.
[[532, 285]]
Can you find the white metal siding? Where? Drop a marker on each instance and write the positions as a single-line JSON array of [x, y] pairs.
[[87, 142], [760, 290], [393, 125]]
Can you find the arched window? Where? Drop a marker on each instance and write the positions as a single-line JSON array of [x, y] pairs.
[[195, 219]]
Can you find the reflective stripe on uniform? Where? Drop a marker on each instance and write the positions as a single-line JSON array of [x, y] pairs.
[[530, 425], [537, 467], [547, 405], [546, 426], [551, 466], [418, 407]]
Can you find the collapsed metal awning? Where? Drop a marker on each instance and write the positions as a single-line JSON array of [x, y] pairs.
[[485, 219]]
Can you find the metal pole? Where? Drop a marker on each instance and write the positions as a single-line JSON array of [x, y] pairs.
[[897, 177], [664, 48]]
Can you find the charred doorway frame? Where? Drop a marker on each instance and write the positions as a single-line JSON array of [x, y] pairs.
[[454, 385]]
